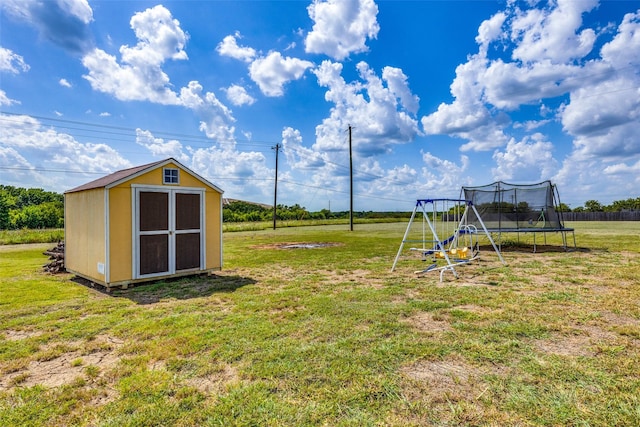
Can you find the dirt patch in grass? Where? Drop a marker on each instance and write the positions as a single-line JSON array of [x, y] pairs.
[[620, 319], [444, 376], [427, 322], [12, 335], [590, 337], [90, 362], [362, 277], [216, 382], [476, 309], [451, 389], [563, 345], [297, 245]]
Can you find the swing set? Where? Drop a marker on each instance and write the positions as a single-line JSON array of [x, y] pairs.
[[445, 217]]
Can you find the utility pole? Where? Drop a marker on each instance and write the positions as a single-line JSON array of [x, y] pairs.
[[275, 190], [350, 182]]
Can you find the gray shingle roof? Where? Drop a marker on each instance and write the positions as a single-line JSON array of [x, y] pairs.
[[116, 176]]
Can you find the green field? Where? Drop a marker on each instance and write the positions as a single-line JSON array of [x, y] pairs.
[[330, 336]]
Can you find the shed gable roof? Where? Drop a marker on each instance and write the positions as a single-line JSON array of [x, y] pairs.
[[126, 174]]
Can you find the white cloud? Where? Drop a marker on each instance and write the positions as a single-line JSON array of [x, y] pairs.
[[126, 82], [298, 156], [527, 160], [159, 38], [397, 179], [402, 185], [238, 95], [490, 31], [64, 82], [229, 47], [272, 72], [78, 8], [604, 113], [530, 125], [510, 85], [159, 147], [19, 169], [376, 111], [105, 114], [341, 27], [5, 100], [552, 35], [11, 62], [622, 51], [442, 177], [399, 86], [140, 76], [216, 119], [467, 116], [236, 172], [51, 150], [633, 171]]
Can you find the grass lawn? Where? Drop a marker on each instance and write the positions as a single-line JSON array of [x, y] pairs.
[[328, 335]]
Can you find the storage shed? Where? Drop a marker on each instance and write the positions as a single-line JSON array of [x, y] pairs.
[[152, 221]]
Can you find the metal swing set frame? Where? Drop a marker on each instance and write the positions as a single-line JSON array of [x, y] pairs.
[[439, 223]]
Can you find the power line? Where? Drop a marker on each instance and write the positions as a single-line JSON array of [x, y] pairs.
[[50, 170], [125, 131]]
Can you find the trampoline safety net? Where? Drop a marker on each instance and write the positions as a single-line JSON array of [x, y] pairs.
[[514, 207]]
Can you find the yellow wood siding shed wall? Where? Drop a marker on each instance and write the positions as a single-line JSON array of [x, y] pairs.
[[120, 226], [85, 233]]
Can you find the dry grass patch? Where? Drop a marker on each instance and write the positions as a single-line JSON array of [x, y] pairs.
[[588, 338], [429, 323], [15, 335], [58, 364], [359, 276], [442, 380], [215, 382], [296, 245], [450, 392], [566, 345]]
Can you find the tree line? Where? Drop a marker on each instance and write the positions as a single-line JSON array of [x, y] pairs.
[[240, 211], [630, 204], [30, 208], [36, 208]]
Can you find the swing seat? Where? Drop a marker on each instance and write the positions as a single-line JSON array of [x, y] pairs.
[[460, 253]]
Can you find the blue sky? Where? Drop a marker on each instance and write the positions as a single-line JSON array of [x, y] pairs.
[[439, 94]]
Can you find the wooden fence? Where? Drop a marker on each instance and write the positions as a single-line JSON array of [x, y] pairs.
[[602, 216]]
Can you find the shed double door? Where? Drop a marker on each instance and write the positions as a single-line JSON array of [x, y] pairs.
[[169, 231]]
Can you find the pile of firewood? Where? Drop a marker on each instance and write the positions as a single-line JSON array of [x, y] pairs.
[[56, 259]]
